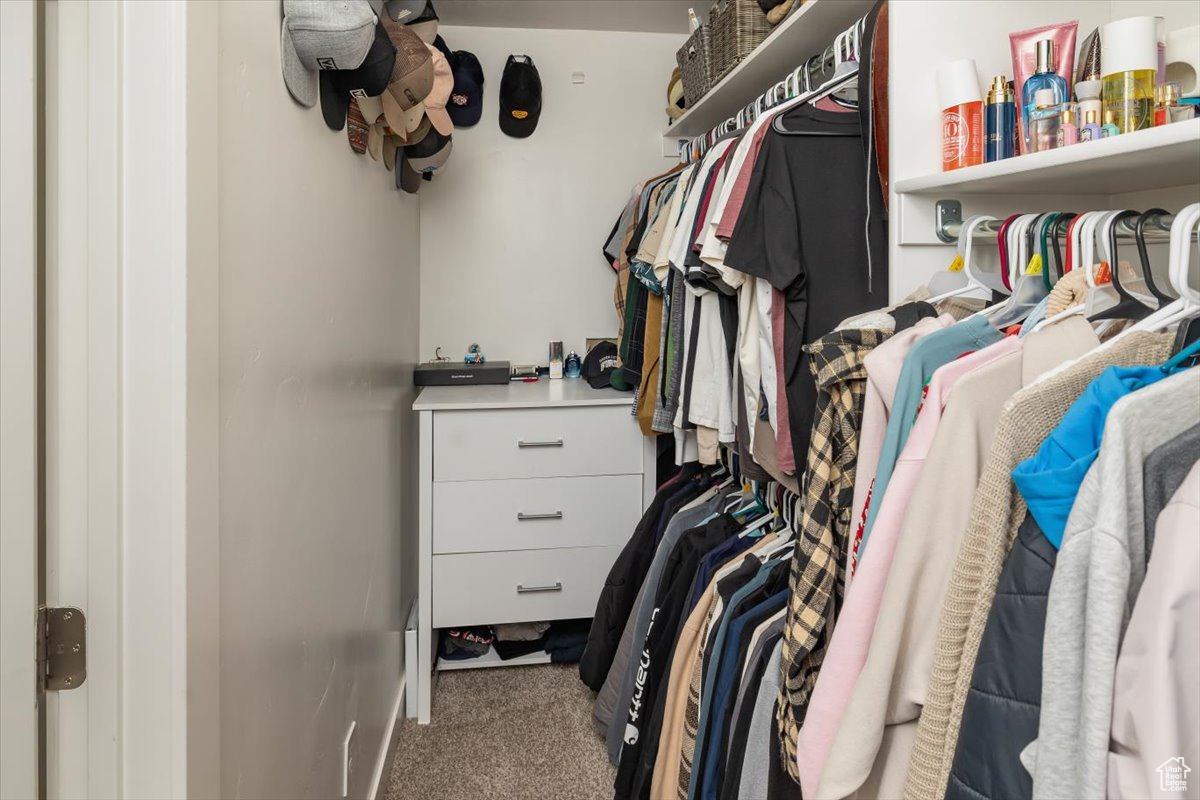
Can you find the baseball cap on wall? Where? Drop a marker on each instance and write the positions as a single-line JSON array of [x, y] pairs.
[[439, 95], [357, 129], [370, 79], [520, 97], [466, 99], [411, 81], [599, 364], [426, 31], [321, 35], [404, 11]]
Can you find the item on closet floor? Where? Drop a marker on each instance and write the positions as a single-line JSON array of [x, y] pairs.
[[449, 373], [520, 631], [466, 100], [556, 361], [962, 114], [1001, 122], [599, 364], [368, 79], [566, 639], [520, 97], [1129, 63], [357, 130], [464, 643], [412, 79], [321, 36], [510, 649]]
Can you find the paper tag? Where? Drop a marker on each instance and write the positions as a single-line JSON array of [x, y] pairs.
[[956, 265], [1035, 265]]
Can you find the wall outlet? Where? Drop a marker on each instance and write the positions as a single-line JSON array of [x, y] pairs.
[[349, 754]]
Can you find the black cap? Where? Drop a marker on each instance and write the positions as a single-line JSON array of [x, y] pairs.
[[466, 99], [520, 97], [370, 79], [599, 364]]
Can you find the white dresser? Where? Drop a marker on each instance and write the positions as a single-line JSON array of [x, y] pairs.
[[528, 491]]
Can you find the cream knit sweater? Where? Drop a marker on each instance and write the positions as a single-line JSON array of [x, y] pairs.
[[996, 512]]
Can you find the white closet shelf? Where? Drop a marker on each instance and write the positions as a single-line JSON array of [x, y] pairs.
[[1149, 159], [802, 35]]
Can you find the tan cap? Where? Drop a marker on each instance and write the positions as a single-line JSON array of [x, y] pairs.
[[439, 95], [412, 78], [380, 136]]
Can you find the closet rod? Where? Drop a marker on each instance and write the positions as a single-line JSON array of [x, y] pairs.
[[1157, 229]]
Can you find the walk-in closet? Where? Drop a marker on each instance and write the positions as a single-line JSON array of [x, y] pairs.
[[632, 399]]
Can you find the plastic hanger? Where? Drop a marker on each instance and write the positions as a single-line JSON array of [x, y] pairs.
[[1129, 306], [973, 288], [1179, 361], [1049, 223], [1179, 259], [1060, 266], [1028, 290], [1139, 235]]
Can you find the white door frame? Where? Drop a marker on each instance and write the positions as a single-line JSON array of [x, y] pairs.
[[132, 417], [19, 55]]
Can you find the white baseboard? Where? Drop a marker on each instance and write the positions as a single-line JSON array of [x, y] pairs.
[[385, 747]]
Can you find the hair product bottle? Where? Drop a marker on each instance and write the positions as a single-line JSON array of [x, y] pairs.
[[962, 114]]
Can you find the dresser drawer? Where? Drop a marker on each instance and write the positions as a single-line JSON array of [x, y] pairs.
[[479, 516], [535, 443], [518, 586]]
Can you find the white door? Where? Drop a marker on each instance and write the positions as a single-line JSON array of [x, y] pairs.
[[18, 399]]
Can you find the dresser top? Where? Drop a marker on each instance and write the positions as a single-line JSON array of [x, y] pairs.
[[545, 393]]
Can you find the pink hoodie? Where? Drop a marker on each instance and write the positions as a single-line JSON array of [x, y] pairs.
[[852, 635]]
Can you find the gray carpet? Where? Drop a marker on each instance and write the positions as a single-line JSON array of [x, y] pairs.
[[518, 733]]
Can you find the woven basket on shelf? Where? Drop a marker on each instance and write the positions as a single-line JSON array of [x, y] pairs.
[[738, 26], [695, 62]]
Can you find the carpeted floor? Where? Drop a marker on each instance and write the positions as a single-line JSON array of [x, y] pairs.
[[517, 733]]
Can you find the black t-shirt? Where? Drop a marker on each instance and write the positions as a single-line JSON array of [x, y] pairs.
[[802, 229]]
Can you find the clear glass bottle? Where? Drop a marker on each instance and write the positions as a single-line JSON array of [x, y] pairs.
[[1045, 122], [1044, 79]]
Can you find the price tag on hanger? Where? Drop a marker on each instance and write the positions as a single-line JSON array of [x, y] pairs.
[[1035, 265], [956, 265]]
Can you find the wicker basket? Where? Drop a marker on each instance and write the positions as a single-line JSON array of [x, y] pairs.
[[738, 26], [695, 62]]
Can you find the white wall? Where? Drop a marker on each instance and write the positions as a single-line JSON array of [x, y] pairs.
[[511, 231], [318, 335]]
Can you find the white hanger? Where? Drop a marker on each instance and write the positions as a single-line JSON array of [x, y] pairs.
[[974, 288], [1179, 263]]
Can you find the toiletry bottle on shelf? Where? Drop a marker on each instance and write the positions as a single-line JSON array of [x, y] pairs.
[[1129, 61], [1090, 130], [1110, 128], [1167, 108], [1068, 132], [1001, 121], [962, 114], [1087, 96], [1045, 79], [1044, 121]]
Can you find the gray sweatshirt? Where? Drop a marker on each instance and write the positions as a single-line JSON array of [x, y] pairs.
[[1099, 572]]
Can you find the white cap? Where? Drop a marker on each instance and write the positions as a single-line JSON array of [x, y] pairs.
[[1088, 90], [1129, 45], [958, 83]]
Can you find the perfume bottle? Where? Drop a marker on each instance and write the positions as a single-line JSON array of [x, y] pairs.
[[1129, 61], [1045, 79], [1167, 108], [1068, 132], [1001, 120], [1090, 130], [1110, 126], [1045, 121]]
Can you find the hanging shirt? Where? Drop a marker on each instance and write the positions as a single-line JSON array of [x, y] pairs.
[[801, 231]]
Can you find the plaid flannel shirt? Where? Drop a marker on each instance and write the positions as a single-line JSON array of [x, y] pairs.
[[817, 578]]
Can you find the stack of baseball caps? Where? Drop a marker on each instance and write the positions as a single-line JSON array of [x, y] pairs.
[[383, 79]]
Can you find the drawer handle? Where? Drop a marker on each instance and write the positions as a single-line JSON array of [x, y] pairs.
[[522, 516], [550, 443], [555, 587]]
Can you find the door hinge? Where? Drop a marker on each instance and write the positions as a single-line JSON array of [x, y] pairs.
[[61, 648]]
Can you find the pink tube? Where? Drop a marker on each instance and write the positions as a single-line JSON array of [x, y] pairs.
[[1024, 54]]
